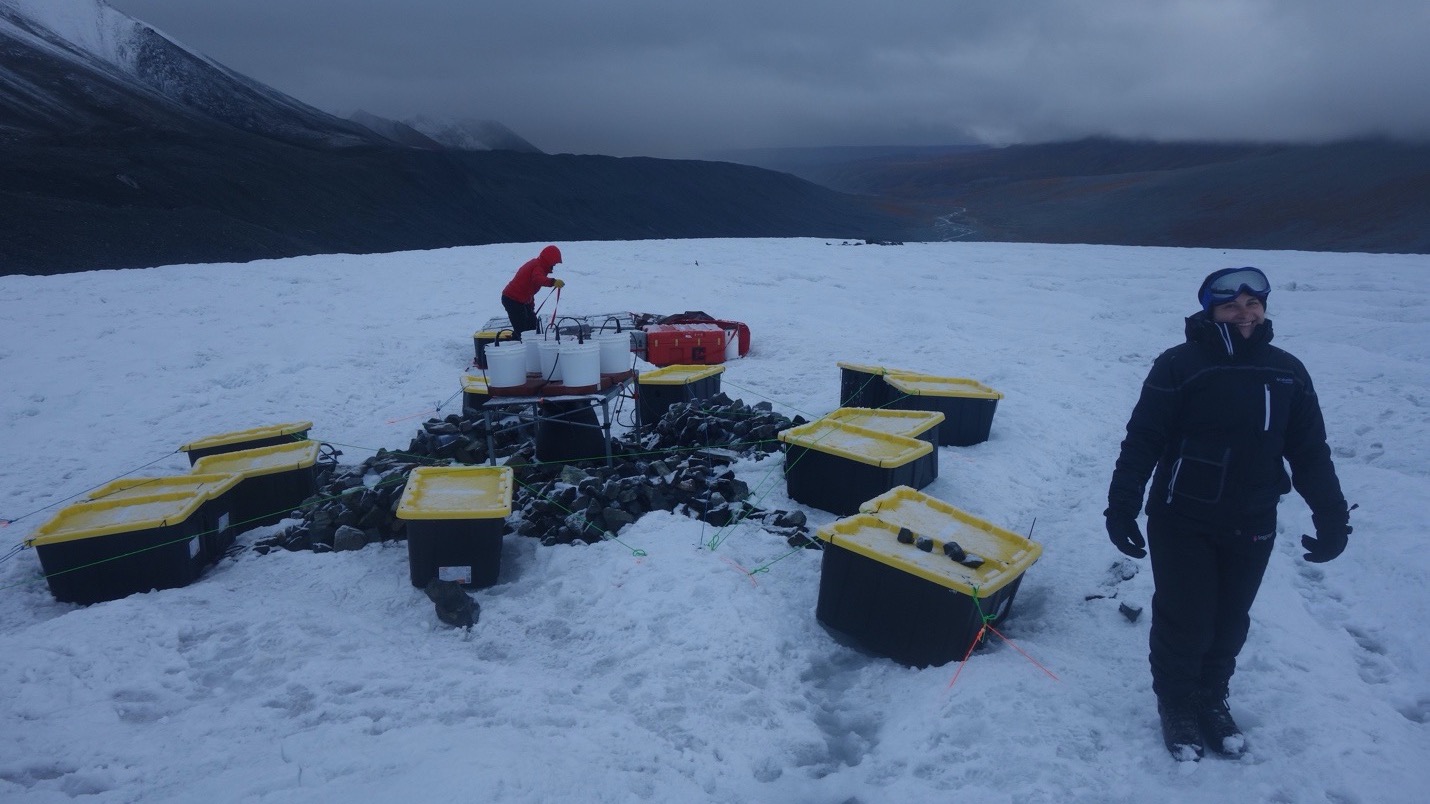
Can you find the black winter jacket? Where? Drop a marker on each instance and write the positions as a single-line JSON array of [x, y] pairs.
[[1217, 416]]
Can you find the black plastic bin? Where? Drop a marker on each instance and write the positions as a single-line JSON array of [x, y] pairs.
[[267, 436], [910, 600], [108, 549], [836, 467], [657, 390], [568, 431], [967, 406], [863, 386], [454, 517], [276, 480], [216, 513]]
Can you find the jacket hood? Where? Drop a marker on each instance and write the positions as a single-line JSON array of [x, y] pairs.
[[550, 256]]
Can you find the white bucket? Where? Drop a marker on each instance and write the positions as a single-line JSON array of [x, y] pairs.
[[532, 344], [580, 363], [506, 364], [550, 367], [615, 351], [732, 344]]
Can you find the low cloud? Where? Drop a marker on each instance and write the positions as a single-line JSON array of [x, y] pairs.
[[630, 77]]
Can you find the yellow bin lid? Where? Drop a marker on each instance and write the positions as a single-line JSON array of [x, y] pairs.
[[865, 368], [929, 385], [260, 460], [856, 443], [457, 492], [912, 423], [909, 508], [210, 486], [878, 539], [251, 434], [678, 375], [87, 520]]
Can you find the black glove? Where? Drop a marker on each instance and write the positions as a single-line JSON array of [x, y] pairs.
[[1125, 535], [1330, 541]]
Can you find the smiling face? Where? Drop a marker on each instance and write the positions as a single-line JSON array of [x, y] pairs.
[[1245, 311]]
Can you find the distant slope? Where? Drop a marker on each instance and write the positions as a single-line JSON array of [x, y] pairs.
[[119, 148], [138, 198], [1355, 196]]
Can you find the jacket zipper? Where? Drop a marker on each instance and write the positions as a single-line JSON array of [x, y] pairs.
[[1172, 482], [1266, 403]]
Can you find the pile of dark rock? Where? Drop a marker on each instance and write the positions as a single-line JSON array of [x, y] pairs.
[[747, 430], [682, 464]]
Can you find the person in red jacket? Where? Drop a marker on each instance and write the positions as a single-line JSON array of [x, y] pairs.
[[519, 295]]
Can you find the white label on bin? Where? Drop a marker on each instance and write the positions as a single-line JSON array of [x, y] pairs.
[[455, 574], [223, 522], [194, 547]]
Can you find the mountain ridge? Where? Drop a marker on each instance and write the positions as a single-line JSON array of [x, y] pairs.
[[143, 153]]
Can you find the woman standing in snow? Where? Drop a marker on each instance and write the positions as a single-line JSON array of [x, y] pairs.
[[1219, 418], [519, 295]]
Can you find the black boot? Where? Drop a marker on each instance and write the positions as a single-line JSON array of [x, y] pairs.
[[1219, 730], [1179, 727]]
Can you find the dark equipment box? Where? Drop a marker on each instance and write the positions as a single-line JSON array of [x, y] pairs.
[[896, 591], [967, 406], [657, 390], [568, 431], [267, 436], [276, 480], [108, 549], [216, 513], [835, 466], [454, 518]]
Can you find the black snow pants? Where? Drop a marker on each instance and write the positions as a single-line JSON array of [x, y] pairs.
[[521, 316], [1205, 584]]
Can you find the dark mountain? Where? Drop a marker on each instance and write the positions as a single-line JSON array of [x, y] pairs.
[[119, 148], [1369, 196]]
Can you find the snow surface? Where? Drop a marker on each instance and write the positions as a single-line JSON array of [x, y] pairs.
[[681, 662]]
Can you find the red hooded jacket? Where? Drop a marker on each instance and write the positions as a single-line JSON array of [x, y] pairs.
[[532, 276]]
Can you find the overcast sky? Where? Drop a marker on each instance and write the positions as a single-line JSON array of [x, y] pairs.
[[674, 79]]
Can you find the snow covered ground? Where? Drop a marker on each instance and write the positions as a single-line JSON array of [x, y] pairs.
[[600, 673]]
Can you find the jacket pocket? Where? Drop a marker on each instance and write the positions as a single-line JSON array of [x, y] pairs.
[[1199, 473]]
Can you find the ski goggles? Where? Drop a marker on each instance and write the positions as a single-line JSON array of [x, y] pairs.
[[1225, 285]]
